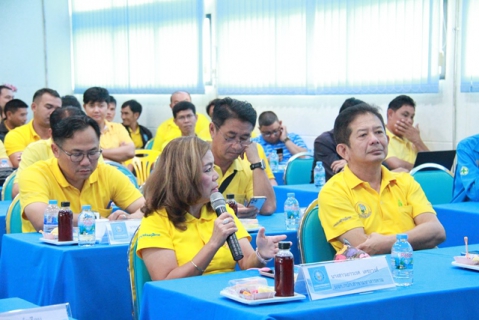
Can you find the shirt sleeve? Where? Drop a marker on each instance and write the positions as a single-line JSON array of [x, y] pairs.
[[14, 142], [123, 192], [468, 171]]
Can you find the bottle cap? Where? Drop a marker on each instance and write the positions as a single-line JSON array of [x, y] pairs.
[[290, 194], [284, 245], [401, 236], [319, 163], [65, 203], [55, 202], [86, 207], [230, 196]]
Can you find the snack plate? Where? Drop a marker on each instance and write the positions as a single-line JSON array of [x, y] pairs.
[[234, 297], [58, 243], [466, 266]]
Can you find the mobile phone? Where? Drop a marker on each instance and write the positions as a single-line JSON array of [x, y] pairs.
[[267, 273], [257, 202], [470, 252], [279, 150]]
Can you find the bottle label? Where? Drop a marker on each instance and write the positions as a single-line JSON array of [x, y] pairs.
[[87, 225], [402, 260]]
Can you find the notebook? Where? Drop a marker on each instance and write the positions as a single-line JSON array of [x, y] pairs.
[[445, 158]]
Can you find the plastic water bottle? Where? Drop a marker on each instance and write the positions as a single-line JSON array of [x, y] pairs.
[[319, 175], [274, 161], [291, 212], [402, 261], [86, 227], [50, 220], [4, 163]]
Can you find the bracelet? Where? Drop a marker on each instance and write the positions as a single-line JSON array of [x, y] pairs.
[[261, 259], [197, 268]]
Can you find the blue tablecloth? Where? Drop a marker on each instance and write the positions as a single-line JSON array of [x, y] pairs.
[[440, 291], [94, 280], [459, 220], [304, 193], [274, 225], [11, 304], [3, 213]]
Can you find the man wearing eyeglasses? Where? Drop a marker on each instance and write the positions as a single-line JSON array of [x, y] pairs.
[[230, 129], [75, 175], [275, 137]]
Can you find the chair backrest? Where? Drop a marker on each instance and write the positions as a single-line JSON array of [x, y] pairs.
[[149, 144], [298, 168], [125, 171], [14, 217], [143, 162], [313, 245], [436, 181], [8, 186], [138, 275]]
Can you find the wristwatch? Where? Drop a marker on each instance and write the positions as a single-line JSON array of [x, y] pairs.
[[286, 139], [257, 165]]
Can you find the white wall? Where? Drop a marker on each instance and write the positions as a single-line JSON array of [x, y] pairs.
[[444, 118]]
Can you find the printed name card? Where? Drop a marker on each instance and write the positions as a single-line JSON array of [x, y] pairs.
[[55, 312], [331, 279], [121, 232]]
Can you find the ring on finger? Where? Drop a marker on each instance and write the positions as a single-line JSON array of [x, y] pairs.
[[226, 221]]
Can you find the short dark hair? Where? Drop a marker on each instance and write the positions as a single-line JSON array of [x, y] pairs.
[[229, 108], [112, 99], [179, 91], [349, 103], [135, 106], [96, 94], [342, 130], [182, 106], [211, 104], [267, 118], [66, 128], [70, 101], [13, 105], [39, 93], [64, 112], [400, 101]]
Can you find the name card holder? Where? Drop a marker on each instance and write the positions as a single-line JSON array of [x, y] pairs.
[[54, 312], [121, 232], [337, 278]]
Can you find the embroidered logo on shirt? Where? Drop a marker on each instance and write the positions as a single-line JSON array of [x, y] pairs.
[[363, 210], [149, 235], [464, 171]]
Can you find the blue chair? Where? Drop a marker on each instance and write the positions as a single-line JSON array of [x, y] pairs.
[[149, 144], [8, 186], [312, 242], [125, 170], [138, 275], [436, 181], [14, 217], [298, 168]]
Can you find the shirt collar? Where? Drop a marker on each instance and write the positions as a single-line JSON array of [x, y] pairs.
[[60, 178]]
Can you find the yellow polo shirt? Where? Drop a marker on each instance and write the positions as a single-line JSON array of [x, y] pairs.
[[136, 137], [242, 184], [113, 134], [19, 138], [157, 231], [37, 151], [168, 131], [44, 181], [401, 148], [346, 202]]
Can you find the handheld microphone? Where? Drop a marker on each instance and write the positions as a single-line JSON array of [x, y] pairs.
[[219, 205]]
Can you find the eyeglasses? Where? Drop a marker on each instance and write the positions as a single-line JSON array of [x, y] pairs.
[[79, 156], [268, 134], [244, 142]]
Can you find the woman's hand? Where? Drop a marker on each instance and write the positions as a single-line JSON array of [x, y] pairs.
[[224, 226], [247, 212], [268, 246]]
